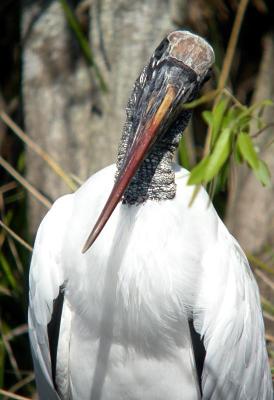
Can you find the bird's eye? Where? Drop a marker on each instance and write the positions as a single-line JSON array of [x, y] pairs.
[[207, 76]]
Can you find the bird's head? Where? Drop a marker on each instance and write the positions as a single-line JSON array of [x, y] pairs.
[[176, 71]]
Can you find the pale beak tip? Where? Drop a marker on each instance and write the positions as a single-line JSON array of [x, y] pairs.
[[85, 249], [87, 245]]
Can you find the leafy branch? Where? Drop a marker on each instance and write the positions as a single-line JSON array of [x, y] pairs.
[[230, 51], [229, 124]]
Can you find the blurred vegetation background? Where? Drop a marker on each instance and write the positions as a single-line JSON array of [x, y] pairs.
[[66, 71]]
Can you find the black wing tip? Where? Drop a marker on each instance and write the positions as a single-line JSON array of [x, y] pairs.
[[53, 329]]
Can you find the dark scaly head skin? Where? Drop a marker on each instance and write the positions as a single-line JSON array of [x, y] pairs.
[[179, 66], [169, 75], [176, 71]]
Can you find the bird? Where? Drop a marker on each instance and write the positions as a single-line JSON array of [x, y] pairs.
[[158, 302]]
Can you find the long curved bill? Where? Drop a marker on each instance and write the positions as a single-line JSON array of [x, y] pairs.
[[145, 138]]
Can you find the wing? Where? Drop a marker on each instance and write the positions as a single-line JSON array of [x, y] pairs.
[[49, 314], [228, 316]]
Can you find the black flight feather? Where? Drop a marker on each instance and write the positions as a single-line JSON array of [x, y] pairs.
[[54, 330]]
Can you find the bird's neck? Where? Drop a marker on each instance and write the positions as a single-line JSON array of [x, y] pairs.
[[155, 178]]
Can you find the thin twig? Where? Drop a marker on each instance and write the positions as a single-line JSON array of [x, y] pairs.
[[267, 145], [267, 305], [20, 330], [268, 316], [76, 179], [12, 359], [265, 278], [256, 134], [227, 61], [259, 263], [269, 337], [15, 254], [19, 195], [13, 395], [22, 383], [37, 149], [201, 100], [24, 183], [5, 291], [15, 236], [232, 44], [233, 98], [7, 187]]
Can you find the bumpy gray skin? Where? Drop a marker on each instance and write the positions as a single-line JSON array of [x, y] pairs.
[[155, 179], [182, 61]]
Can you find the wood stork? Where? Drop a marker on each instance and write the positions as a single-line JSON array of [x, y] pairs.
[[124, 319]]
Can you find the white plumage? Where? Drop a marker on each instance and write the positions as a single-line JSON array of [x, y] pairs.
[[116, 323], [124, 331]]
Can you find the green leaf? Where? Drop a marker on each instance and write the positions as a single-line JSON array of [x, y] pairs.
[[218, 115], [222, 178], [248, 111], [211, 165], [208, 117], [230, 117], [21, 163], [197, 175], [219, 155], [247, 150], [238, 156], [7, 271], [242, 123], [183, 155], [262, 173]]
